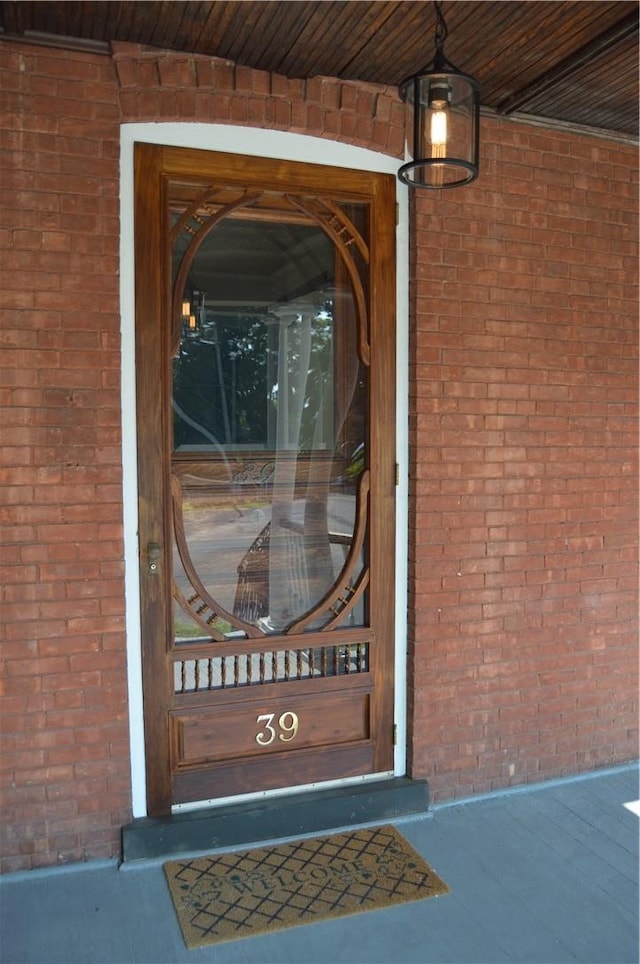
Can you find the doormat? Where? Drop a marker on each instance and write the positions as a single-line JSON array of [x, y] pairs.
[[228, 896]]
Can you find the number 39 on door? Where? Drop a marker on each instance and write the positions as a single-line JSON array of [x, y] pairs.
[[286, 728]]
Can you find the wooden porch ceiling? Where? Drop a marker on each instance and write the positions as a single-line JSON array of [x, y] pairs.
[[568, 60]]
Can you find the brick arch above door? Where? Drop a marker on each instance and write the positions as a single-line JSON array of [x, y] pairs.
[[161, 85]]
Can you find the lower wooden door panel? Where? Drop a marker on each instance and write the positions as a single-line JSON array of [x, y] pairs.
[[286, 734]]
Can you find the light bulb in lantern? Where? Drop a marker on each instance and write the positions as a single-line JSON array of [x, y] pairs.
[[439, 100], [439, 124]]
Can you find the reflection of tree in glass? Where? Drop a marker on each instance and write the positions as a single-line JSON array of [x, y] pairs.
[[219, 382], [225, 382]]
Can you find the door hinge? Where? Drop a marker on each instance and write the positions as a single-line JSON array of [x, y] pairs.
[[397, 474], [397, 214], [395, 734]]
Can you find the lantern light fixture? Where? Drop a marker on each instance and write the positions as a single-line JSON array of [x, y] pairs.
[[445, 107]]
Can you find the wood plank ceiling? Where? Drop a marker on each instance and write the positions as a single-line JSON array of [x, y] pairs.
[[570, 61]]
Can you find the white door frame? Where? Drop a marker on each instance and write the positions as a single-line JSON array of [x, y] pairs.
[[292, 147]]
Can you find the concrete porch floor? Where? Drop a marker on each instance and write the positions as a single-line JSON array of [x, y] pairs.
[[548, 874]]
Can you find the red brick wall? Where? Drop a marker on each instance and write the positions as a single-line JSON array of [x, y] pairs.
[[65, 762], [65, 753], [521, 585], [523, 541]]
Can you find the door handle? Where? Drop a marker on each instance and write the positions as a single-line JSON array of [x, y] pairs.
[[153, 558]]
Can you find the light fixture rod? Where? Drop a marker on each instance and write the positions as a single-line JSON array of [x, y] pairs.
[[441, 29]]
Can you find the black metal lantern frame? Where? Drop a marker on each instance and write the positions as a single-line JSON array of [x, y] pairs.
[[446, 121]]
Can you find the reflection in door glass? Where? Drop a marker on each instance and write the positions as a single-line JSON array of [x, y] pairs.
[[269, 430], [234, 382]]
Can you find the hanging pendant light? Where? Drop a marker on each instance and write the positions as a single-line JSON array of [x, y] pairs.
[[446, 121]]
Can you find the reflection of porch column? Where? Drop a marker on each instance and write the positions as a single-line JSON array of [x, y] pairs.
[[291, 384], [282, 415], [288, 594], [272, 325]]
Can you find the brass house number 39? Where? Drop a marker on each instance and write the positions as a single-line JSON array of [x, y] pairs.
[[285, 728]]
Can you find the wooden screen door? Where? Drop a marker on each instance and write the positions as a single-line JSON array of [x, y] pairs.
[[265, 295]]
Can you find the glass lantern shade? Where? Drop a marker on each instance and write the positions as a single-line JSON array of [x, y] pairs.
[[445, 107]]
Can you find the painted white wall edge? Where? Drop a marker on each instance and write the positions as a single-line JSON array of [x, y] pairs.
[[258, 143]]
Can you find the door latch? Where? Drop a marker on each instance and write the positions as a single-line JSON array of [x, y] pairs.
[[153, 557]]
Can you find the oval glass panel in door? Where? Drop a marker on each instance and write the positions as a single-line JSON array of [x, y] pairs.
[[270, 399]]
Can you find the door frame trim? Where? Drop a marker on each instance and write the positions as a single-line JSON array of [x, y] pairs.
[[256, 143]]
